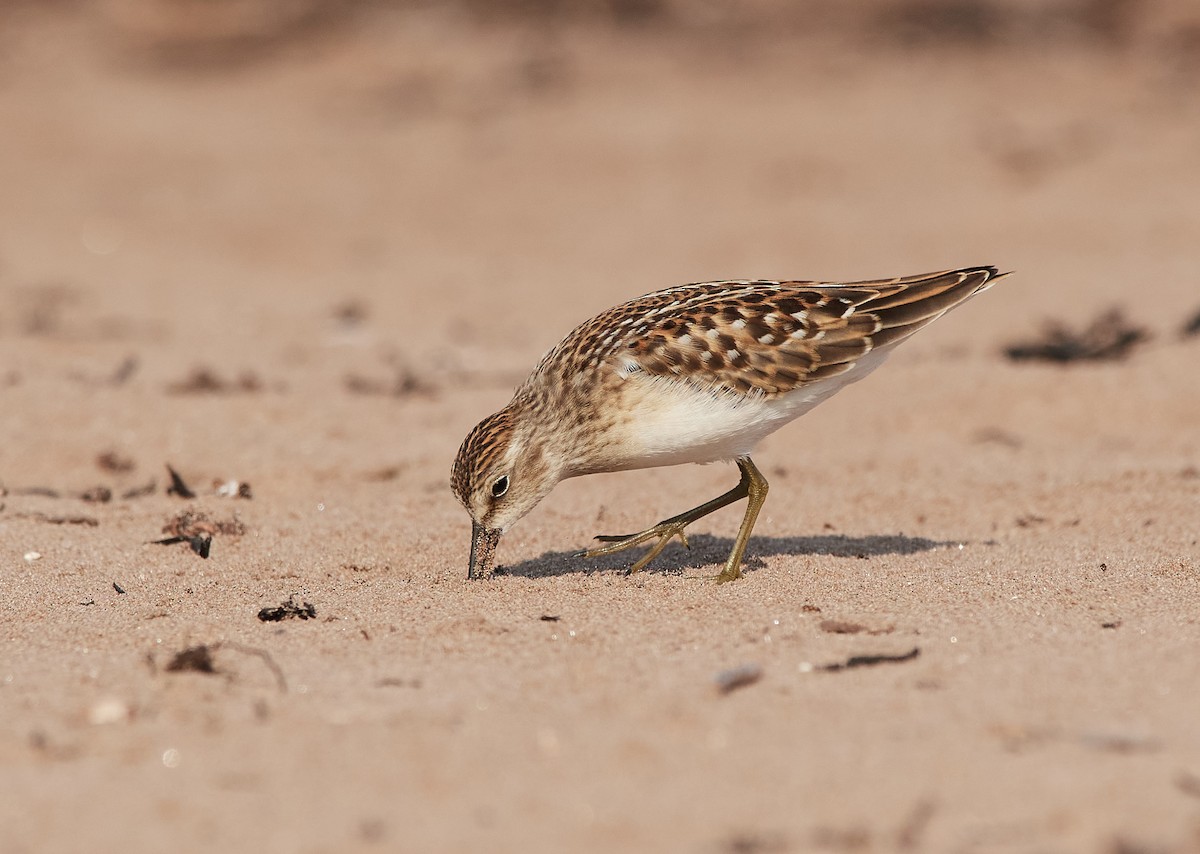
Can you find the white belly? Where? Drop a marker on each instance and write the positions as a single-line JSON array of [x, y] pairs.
[[676, 422]]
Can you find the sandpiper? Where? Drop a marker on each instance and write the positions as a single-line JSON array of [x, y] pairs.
[[692, 374]]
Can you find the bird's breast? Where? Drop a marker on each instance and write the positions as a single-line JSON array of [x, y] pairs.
[[668, 421]]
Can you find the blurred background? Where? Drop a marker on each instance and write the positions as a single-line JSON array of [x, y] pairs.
[[387, 197], [207, 171]]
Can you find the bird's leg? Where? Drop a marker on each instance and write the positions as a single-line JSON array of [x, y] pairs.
[[756, 490], [752, 485]]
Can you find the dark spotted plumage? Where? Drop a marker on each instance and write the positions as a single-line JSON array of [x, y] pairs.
[[760, 337]]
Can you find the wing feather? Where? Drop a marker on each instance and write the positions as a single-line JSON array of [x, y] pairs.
[[764, 337]]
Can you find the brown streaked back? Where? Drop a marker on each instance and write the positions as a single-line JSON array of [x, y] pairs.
[[761, 337]]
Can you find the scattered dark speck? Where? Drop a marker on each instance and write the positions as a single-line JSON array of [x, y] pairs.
[[996, 436], [840, 627], [1109, 337], [178, 486], [199, 658], [404, 383], [42, 491], [351, 313], [291, 609], [200, 544], [1192, 327], [97, 495], [870, 660], [193, 523], [139, 491], [1113, 624], [195, 658], [550, 618], [111, 461], [118, 588], [206, 381], [396, 682], [383, 474]]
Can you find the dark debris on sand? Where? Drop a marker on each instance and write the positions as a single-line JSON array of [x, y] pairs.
[[1192, 328], [199, 659], [1108, 338], [206, 381], [140, 491], [405, 383], [197, 529], [870, 660], [192, 522], [178, 485], [96, 495], [115, 463], [289, 610], [195, 658], [89, 521], [201, 545]]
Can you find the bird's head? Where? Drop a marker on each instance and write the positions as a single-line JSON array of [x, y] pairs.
[[500, 474]]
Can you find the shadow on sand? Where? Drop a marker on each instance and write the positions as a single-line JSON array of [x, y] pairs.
[[707, 550]]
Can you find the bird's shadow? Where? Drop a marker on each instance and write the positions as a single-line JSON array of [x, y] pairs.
[[707, 550]]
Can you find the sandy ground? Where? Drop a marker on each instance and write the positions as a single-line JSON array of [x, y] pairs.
[[312, 263]]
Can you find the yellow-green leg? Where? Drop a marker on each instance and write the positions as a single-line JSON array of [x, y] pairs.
[[752, 486], [756, 493]]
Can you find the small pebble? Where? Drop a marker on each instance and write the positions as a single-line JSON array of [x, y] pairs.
[[738, 677], [108, 711]]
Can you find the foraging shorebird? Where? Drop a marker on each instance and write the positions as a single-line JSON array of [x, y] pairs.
[[691, 374]]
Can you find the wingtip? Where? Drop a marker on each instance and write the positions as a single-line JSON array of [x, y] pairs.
[[991, 275]]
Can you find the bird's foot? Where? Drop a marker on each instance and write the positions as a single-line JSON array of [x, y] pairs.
[[664, 531]]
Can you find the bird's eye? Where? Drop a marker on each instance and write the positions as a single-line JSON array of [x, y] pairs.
[[500, 486]]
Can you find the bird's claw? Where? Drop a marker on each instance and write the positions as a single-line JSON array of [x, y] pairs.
[[663, 531]]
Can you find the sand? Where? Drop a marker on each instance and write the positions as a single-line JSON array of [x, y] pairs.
[[309, 261]]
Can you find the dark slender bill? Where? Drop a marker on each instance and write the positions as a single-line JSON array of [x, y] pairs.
[[483, 548]]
